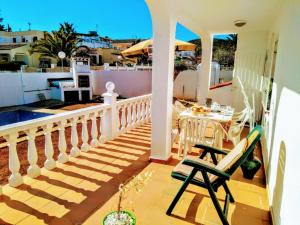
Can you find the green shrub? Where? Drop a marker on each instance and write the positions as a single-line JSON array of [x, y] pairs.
[[11, 66]]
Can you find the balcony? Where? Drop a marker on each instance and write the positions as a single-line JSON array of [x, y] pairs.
[[75, 162]]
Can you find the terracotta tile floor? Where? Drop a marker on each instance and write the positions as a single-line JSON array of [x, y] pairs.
[[85, 189]]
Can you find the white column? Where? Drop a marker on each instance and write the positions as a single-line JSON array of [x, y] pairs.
[[204, 74], [110, 124], [164, 26]]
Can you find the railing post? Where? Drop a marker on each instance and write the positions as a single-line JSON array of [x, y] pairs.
[[110, 118]]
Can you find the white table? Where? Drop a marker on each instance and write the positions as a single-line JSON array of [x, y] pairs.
[[216, 116], [220, 117]]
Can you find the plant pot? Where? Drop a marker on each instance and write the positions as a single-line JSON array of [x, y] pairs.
[[250, 168], [112, 218]]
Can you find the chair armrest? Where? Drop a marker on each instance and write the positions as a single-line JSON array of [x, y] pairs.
[[206, 168], [210, 149]]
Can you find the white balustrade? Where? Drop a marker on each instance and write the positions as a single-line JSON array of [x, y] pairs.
[[33, 169], [138, 110], [111, 122]]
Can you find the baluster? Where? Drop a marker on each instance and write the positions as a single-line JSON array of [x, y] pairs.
[[142, 112], [150, 108], [84, 134], [49, 163], [102, 136], [129, 117], [74, 138], [118, 119], [133, 112], [33, 169], [94, 142], [138, 112], [123, 120], [62, 145], [147, 111], [15, 178]]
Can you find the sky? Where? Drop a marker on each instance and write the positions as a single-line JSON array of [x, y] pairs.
[[117, 19]]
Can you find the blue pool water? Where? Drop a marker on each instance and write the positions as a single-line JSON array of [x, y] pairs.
[[19, 116]]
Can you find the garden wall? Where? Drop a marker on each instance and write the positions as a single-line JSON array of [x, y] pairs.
[[22, 88]]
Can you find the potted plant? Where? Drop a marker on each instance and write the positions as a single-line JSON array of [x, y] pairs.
[[250, 167], [124, 217]]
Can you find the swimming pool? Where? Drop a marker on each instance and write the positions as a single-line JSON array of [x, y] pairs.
[[19, 116]]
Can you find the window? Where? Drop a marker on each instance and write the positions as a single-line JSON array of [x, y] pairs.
[[23, 39], [14, 40], [35, 38]]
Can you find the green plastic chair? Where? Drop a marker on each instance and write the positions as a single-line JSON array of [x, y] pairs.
[[195, 170]]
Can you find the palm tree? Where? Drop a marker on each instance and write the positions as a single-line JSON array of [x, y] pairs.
[[65, 39], [232, 39]]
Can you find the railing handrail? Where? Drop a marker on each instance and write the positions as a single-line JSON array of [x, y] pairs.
[[137, 98], [21, 126]]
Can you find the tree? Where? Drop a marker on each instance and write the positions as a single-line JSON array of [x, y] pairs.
[[65, 39], [232, 39]]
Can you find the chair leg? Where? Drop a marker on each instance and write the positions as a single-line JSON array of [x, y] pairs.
[[214, 199], [180, 192], [226, 188]]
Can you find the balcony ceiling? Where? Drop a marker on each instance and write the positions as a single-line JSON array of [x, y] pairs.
[[217, 16]]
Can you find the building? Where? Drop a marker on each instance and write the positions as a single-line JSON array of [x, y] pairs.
[[14, 46], [101, 48], [122, 44]]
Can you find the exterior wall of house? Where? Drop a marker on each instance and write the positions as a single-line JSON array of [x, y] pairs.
[[7, 37], [283, 169], [249, 68], [281, 141]]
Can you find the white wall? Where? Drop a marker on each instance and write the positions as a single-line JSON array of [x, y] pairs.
[[249, 67], [128, 83], [185, 85], [222, 95], [282, 155], [283, 180], [12, 92]]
